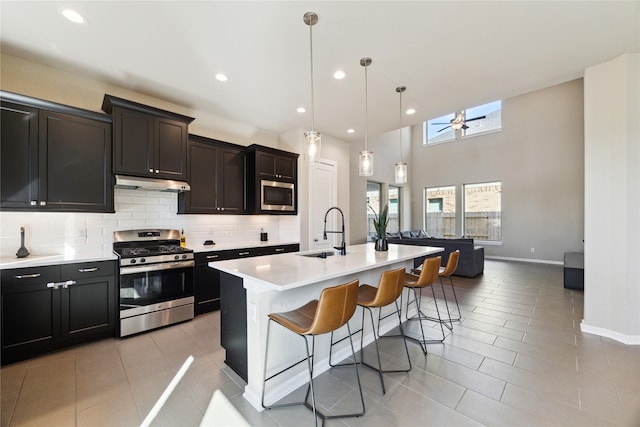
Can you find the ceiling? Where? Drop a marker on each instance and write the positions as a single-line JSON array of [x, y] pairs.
[[450, 55]]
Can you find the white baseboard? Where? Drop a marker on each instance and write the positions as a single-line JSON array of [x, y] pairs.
[[532, 260], [607, 333]]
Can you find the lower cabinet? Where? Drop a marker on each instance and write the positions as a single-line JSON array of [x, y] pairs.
[[51, 307], [207, 280], [233, 323]]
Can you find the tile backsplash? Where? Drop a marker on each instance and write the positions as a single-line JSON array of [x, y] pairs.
[[49, 233]]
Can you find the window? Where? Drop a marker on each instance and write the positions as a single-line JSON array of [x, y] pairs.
[[477, 120], [483, 211], [440, 211], [394, 209], [373, 202], [438, 130]]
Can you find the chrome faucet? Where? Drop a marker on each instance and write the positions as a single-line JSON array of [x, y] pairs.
[[343, 247]]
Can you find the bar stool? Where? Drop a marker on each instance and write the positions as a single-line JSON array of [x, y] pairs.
[[331, 311], [447, 271], [388, 291], [452, 264], [427, 277]]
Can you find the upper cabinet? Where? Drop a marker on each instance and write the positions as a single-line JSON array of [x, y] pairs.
[[272, 181], [147, 141], [275, 165], [54, 157], [217, 176]]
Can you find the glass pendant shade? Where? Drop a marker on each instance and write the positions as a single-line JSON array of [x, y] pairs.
[[313, 144], [401, 173], [366, 163], [312, 136], [400, 170]]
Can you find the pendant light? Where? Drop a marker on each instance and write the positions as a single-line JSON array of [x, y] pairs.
[[366, 156], [401, 167], [312, 136]]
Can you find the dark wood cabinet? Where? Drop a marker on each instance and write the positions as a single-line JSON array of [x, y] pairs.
[[217, 176], [147, 141], [50, 307], [207, 279], [233, 323], [54, 159], [265, 163], [275, 166]]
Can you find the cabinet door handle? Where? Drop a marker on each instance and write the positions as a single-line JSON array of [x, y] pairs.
[[244, 253], [279, 249], [157, 171], [56, 285], [213, 256], [88, 270], [151, 170], [33, 203], [68, 283], [43, 203], [27, 276]]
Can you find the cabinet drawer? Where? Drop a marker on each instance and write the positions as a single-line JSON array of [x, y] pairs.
[[87, 270], [204, 258], [30, 276]]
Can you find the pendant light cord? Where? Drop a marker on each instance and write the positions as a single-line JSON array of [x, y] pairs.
[[311, 61], [401, 127], [366, 111]]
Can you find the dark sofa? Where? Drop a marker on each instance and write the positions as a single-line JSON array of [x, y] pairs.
[[470, 264]]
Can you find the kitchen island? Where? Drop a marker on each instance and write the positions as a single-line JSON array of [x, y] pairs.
[[254, 287]]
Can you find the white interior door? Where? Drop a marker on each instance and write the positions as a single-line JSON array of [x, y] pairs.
[[323, 187]]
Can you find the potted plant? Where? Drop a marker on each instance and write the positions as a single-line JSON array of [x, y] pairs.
[[380, 224]]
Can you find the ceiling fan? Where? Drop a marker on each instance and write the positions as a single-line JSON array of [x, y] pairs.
[[458, 122]]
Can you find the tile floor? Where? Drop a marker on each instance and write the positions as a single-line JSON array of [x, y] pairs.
[[517, 358]]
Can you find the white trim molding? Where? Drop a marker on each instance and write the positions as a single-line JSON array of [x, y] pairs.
[[607, 333], [535, 261]]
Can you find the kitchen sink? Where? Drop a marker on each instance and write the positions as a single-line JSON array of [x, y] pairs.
[[323, 254]]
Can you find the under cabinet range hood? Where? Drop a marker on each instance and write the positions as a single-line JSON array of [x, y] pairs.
[[152, 184]]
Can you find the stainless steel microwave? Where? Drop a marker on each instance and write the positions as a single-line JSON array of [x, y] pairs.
[[277, 196]]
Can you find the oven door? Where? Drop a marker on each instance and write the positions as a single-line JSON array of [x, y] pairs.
[[147, 285], [277, 196]]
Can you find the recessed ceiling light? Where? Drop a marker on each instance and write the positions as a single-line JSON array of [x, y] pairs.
[[339, 75], [411, 111], [221, 77], [301, 110], [73, 16], [350, 130]]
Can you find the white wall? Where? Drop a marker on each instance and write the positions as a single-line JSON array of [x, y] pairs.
[[612, 199], [539, 158]]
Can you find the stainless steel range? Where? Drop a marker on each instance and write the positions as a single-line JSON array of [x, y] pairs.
[[156, 279]]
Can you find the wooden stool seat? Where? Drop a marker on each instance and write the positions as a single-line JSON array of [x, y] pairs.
[[331, 311], [388, 291], [416, 283]]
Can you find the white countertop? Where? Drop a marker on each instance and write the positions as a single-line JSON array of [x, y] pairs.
[[54, 259], [292, 270], [237, 245]]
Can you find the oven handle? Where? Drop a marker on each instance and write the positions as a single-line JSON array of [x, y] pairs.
[[156, 267]]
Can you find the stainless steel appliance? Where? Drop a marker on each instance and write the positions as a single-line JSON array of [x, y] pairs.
[[156, 279], [277, 196]]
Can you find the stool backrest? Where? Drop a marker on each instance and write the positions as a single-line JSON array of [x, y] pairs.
[[429, 272], [452, 263], [389, 288], [335, 307]]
